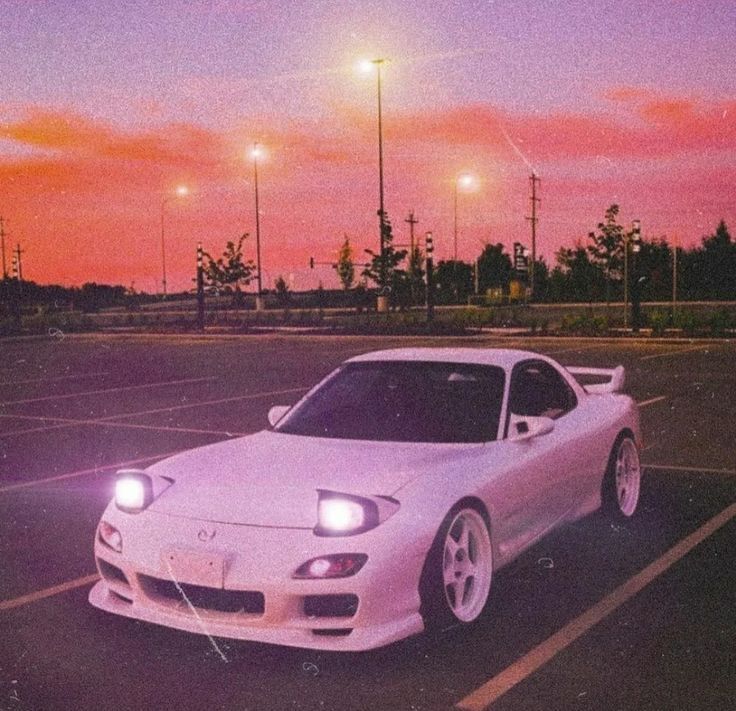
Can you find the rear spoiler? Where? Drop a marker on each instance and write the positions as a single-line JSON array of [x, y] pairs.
[[616, 377]]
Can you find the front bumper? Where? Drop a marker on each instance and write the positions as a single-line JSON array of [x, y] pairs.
[[256, 598]]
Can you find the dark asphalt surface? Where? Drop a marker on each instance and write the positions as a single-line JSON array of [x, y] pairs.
[[670, 647]]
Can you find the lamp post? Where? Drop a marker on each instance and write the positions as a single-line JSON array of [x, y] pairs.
[[181, 191], [256, 154], [367, 66], [465, 181]]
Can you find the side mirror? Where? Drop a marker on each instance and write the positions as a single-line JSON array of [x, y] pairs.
[[276, 413], [523, 428]]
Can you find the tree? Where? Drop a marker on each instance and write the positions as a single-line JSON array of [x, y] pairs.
[[383, 269], [575, 278], [655, 264], [230, 272], [719, 263], [454, 281], [607, 248], [494, 268], [282, 292], [345, 265]]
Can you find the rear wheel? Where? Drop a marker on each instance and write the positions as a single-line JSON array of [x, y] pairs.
[[457, 573], [622, 482]]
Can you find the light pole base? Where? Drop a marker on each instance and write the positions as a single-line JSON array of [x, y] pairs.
[[260, 303], [382, 304]]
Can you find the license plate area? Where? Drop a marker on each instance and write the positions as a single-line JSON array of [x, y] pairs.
[[194, 567]]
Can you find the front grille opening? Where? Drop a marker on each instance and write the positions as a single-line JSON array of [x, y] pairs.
[[337, 632], [249, 602], [330, 605], [111, 573]]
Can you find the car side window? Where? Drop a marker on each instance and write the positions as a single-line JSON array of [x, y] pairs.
[[538, 390]]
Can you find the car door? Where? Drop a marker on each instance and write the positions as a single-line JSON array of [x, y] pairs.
[[540, 487]]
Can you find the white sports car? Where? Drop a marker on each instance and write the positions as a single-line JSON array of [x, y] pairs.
[[381, 503]]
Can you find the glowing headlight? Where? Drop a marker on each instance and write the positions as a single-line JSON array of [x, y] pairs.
[[344, 515], [133, 492], [110, 536], [340, 514]]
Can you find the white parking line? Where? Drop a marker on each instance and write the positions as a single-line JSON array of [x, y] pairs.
[[103, 422], [646, 403], [678, 352], [54, 379], [677, 468], [108, 390], [47, 592], [111, 420], [579, 348], [82, 472], [527, 665]]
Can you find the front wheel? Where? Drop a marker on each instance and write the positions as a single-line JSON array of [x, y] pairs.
[[457, 576], [622, 481]]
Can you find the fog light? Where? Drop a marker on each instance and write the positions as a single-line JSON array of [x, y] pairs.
[[110, 536], [339, 565]]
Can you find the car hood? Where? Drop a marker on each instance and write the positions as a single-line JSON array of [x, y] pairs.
[[271, 479]]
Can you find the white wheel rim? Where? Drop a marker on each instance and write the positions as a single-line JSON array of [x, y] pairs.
[[628, 477], [467, 565]]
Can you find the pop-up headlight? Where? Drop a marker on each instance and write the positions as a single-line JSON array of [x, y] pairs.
[[133, 491], [345, 514]]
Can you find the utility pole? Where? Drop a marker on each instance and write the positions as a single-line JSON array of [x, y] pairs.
[[412, 221], [19, 263], [533, 219], [200, 287], [674, 276], [2, 238]]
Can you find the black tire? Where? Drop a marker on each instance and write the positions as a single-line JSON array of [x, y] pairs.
[[456, 578], [622, 480]]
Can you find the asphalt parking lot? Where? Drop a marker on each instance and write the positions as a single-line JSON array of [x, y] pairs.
[[638, 616]]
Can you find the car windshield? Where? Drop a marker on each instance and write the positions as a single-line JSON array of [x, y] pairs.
[[403, 401]]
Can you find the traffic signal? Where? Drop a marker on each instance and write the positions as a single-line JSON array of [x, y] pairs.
[[429, 244], [311, 262]]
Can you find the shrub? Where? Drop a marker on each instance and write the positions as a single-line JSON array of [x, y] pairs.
[[659, 321], [719, 322], [688, 321]]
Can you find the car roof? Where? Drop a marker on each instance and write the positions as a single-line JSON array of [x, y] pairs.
[[502, 357]]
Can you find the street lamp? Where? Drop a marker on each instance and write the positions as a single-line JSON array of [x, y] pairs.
[[465, 181], [256, 153], [367, 66], [181, 191]]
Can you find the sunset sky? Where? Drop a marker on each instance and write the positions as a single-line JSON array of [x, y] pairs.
[[108, 106]]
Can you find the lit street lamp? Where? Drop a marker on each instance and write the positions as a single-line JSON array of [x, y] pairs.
[[181, 191], [466, 182], [256, 153]]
